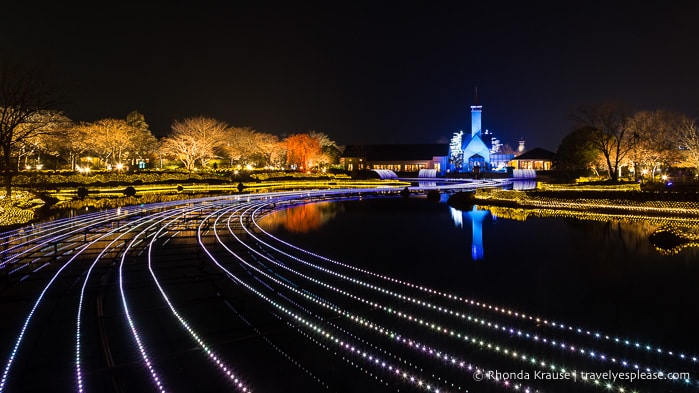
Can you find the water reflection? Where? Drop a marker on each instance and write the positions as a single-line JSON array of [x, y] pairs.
[[304, 218], [475, 216], [668, 235], [577, 267], [521, 185]]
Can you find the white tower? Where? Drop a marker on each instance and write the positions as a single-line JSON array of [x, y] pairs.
[[476, 110]]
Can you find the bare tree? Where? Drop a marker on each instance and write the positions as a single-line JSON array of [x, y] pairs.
[[610, 136], [330, 153], [195, 139], [49, 127], [655, 139], [240, 145], [28, 98], [73, 143], [110, 139], [688, 139]]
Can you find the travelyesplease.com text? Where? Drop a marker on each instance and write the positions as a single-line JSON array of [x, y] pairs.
[[607, 376]]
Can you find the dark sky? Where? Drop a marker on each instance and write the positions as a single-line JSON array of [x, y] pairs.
[[366, 72]]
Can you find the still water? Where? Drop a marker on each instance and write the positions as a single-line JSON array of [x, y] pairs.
[[604, 276]]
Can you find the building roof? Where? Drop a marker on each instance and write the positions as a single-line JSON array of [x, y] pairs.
[[476, 147], [397, 152], [536, 153]]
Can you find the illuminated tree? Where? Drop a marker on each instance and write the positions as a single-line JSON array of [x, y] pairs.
[[456, 154], [109, 139], [246, 146], [608, 132], [302, 150], [271, 150], [330, 153], [142, 141], [49, 128], [195, 139], [73, 143], [28, 99], [655, 141], [688, 139]]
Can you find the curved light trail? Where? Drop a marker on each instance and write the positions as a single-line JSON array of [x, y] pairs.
[[195, 295]]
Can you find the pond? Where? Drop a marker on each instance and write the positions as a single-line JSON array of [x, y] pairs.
[[604, 275]]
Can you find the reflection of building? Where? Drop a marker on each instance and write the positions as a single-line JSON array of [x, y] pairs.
[[400, 158], [476, 217]]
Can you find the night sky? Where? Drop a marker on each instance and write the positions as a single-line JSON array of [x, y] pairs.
[[366, 72]]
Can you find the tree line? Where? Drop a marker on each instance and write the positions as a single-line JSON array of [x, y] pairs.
[[33, 133], [606, 137], [610, 138]]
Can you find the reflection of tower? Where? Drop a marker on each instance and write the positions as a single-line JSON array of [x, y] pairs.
[[476, 216]]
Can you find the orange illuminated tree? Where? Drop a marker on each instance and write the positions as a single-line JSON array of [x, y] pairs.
[[302, 151]]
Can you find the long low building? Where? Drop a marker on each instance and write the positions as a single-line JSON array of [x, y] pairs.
[[399, 158]]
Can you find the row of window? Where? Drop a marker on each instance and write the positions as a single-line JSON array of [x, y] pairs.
[[400, 168]]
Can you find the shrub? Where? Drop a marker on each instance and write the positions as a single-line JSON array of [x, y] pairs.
[[82, 192], [433, 195], [130, 191]]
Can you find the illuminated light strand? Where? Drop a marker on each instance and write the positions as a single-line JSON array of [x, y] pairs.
[[20, 238], [437, 328], [49, 234], [607, 386], [364, 323], [556, 326], [304, 295], [558, 344], [553, 324], [479, 321], [504, 311], [215, 358], [315, 328], [27, 320], [270, 343], [157, 380], [153, 220]]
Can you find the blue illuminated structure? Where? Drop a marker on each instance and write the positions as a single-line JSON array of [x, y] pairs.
[[475, 152], [476, 217]]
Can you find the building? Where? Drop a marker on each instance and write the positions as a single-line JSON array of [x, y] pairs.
[[538, 159], [473, 152], [399, 158], [476, 152]]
